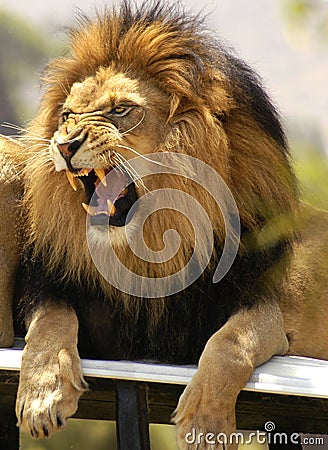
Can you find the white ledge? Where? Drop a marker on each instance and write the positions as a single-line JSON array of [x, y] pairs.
[[281, 375]]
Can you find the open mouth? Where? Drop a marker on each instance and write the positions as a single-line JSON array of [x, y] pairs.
[[110, 194]]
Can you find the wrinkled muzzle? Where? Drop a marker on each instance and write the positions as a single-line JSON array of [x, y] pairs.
[[110, 193]]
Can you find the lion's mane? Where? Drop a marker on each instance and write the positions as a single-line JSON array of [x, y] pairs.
[[218, 113]]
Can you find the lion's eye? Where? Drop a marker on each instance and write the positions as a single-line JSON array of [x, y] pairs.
[[120, 110]]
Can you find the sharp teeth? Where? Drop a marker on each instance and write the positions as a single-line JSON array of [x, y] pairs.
[[111, 208], [101, 175], [82, 173], [71, 180], [89, 209]]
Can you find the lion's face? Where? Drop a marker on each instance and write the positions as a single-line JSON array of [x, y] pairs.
[[106, 120]]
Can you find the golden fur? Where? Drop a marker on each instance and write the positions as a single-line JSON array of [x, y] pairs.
[[303, 300], [10, 237]]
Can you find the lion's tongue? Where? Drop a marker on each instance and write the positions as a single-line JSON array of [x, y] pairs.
[[107, 195]]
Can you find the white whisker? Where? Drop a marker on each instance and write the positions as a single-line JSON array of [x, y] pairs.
[[131, 171], [64, 89], [12, 126], [35, 138], [122, 164], [104, 158], [22, 130], [30, 138], [142, 156], [36, 145], [118, 165], [135, 126]]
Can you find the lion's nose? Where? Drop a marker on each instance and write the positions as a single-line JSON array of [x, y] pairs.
[[69, 148]]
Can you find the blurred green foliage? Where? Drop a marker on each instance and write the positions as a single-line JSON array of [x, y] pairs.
[[308, 19], [24, 51], [312, 169], [96, 435], [307, 16], [79, 435], [299, 10]]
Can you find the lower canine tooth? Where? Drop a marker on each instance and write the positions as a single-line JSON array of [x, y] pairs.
[[71, 180], [101, 175], [89, 209], [111, 208]]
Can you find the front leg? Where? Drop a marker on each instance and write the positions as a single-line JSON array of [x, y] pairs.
[[206, 408], [51, 380]]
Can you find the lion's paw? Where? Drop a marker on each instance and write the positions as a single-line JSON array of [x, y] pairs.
[[49, 389], [204, 418]]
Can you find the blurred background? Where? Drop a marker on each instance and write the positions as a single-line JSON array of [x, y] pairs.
[[286, 41]]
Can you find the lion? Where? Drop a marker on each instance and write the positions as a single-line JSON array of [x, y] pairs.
[[147, 81]]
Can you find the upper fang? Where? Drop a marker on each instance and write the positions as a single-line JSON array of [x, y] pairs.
[[71, 180], [101, 174]]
